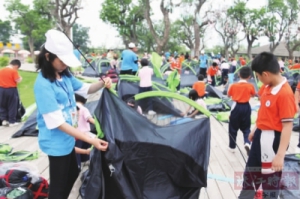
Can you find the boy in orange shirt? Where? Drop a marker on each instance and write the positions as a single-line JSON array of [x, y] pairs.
[[9, 97], [199, 86], [211, 73], [271, 136], [240, 115]]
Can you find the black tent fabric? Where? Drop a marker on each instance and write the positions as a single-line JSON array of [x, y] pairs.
[[187, 80], [30, 126], [90, 72], [144, 160], [162, 105]]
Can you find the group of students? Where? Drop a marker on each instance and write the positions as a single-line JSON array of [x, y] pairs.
[[58, 123]]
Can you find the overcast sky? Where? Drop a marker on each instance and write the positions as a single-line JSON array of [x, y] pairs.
[[104, 35]]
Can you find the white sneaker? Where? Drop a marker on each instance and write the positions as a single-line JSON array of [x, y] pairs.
[[151, 112], [297, 150], [231, 150], [5, 123], [247, 148]]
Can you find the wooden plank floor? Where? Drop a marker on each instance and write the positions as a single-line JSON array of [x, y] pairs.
[[222, 166]]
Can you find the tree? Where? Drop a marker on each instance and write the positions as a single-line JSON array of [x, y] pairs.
[[282, 14], [227, 28], [252, 20], [125, 16], [5, 31], [165, 8], [292, 39], [199, 23], [81, 36], [29, 21]]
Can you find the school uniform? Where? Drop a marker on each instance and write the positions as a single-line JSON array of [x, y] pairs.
[[240, 115], [199, 86], [212, 71], [277, 106]]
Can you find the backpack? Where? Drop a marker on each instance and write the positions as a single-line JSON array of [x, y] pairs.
[[15, 178], [20, 111], [40, 188]]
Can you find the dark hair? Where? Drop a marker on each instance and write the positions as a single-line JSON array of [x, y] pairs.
[[77, 46], [193, 95], [265, 62], [15, 62], [46, 67], [245, 72], [214, 64], [144, 62], [200, 77], [296, 61], [80, 98]]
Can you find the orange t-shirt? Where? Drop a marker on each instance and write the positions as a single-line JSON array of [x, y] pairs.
[[8, 77], [200, 88], [212, 71], [277, 106], [295, 66], [243, 62], [176, 65], [181, 59], [241, 92]]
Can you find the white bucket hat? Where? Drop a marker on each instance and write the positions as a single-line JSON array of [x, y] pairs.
[[131, 45], [58, 44]]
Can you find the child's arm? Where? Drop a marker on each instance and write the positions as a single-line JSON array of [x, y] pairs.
[[187, 111], [297, 93], [91, 120], [82, 151], [194, 113], [277, 163]]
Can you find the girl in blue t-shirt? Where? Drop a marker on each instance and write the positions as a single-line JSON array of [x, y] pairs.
[[57, 115]]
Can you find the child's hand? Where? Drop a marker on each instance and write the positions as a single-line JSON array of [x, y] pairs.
[[88, 151], [100, 144], [277, 163], [250, 137], [108, 82]]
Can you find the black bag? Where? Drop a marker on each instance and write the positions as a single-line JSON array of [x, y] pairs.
[[40, 188], [21, 111]]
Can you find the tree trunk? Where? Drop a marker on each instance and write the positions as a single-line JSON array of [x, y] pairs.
[[31, 46], [249, 48], [226, 52], [291, 52], [197, 39]]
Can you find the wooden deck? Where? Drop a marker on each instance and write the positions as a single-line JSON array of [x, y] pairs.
[[223, 164]]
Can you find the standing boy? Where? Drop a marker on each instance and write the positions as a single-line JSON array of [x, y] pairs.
[[9, 97], [199, 86], [211, 73], [240, 115], [271, 136]]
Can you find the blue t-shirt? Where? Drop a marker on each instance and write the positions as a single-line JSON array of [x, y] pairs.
[[128, 60], [203, 60], [50, 97], [77, 54]]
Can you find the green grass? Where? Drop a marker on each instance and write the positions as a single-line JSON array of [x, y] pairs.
[[26, 87]]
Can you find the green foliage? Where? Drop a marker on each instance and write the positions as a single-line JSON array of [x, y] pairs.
[[29, 21], [25, 87], [29, 60], [81, 37], [4, 61], [5, 31], [124, 15]]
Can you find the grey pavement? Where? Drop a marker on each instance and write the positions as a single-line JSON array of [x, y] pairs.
[[28, 67]]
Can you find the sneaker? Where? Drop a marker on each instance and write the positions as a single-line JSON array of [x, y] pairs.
[[247, 148], [231, 150], [5, 123], [151, 112], [297, 150]]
